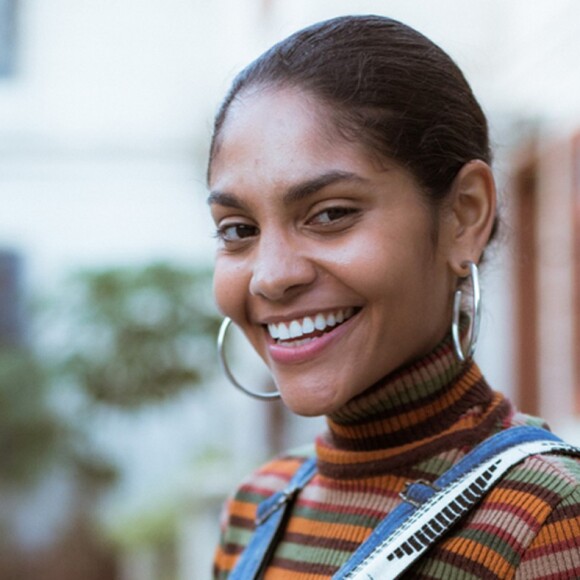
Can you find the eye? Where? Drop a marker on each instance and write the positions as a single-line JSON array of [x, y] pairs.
[[332, 214], [236, 232]]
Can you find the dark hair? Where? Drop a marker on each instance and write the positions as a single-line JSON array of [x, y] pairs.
[[386, 86]]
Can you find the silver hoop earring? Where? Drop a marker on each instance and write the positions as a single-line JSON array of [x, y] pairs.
[[474, 317], [221, 339]]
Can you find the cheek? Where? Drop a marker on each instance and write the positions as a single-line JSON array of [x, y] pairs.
[[397, 270], [372, 264], [229, 286]]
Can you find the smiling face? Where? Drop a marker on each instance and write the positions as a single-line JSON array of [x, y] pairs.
[[326, 259]]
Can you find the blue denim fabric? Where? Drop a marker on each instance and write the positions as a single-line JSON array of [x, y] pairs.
[[420, 493], [272, 511], [271, 515]]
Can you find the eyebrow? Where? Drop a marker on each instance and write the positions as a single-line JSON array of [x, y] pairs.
[[225, 199], [295, 193]]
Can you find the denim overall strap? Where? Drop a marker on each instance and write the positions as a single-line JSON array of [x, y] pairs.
[[271, 516], [429, 509]]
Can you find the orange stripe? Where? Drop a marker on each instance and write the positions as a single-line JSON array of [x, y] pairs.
[[285, 467], [414, 416], [404, 420], [558, 532], [243, 509], [225, 561], [340, 457], [274, 573], [503, 498], [328, 530], [479, 553]]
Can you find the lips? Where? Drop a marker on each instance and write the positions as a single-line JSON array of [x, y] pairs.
[[298, 331], [308, 346]]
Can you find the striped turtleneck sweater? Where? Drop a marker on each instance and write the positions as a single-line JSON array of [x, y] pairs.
[[415, 424]]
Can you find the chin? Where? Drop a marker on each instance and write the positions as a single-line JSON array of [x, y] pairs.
[[310, 402]]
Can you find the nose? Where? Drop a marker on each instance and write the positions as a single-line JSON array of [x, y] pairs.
[[280, 269]]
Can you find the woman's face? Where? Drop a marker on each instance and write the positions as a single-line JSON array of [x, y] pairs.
[[326, 259]]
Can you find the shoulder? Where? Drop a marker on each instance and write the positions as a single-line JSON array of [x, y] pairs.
[[551, 474], [536, 486], [527, 526], [271, 477], [548, 473], [554, 548], [537, 508], [540, 482], [518, 419], [239, 513]]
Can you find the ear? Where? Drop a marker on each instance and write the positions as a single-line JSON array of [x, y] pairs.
[[473, 214]]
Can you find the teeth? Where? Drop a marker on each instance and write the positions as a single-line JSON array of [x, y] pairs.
[[273, 330], [283, 332], [295, 329], [319, 322]]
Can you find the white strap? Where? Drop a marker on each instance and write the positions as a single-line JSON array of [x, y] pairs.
[[442, 510]]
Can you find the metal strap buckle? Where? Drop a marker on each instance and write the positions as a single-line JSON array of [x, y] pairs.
[[285, 496], [408, 485]]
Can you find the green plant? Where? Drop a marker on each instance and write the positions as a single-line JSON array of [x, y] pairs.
[[29, 428], [139, 335]]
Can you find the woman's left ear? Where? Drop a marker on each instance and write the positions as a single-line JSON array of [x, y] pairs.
[[473, 214]]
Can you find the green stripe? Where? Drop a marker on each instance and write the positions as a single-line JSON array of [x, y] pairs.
[[436, 569], [252, 496], [310, 555], [238, 536], [435, 466], [336, 518], [552, 482]]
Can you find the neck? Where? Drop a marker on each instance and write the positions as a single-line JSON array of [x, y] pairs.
[[430, 405]]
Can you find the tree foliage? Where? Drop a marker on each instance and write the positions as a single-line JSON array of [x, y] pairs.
[[139, 335], [29, 429]]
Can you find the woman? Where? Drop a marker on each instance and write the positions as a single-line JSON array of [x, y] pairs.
[[352, 193]]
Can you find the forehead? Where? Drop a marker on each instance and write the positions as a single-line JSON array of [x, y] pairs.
[[259, 110], [277, 134]]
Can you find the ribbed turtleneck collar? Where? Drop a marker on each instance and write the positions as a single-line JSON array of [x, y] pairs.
[[434, 404]]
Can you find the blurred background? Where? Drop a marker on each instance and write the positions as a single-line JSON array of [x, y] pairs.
[[119, 439]]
